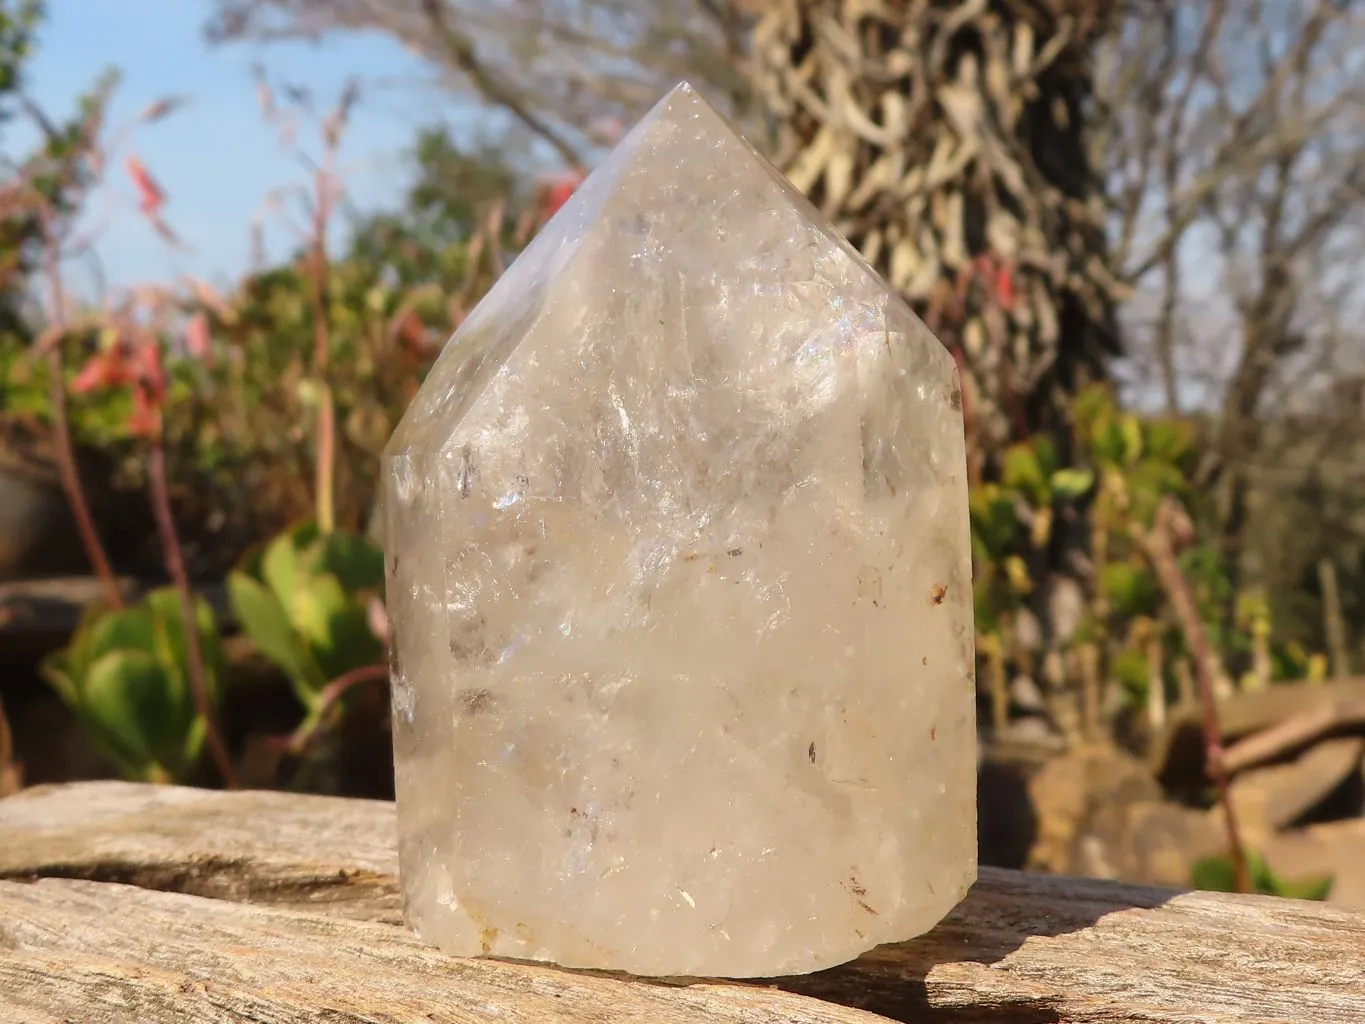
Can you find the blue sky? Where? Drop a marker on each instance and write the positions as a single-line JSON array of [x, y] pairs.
[[216, 158]]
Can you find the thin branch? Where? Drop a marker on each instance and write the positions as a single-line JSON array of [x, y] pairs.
[[175, 565], [1334, 623], [302, 738], [461, 50], [1293, 733], [67, 466], [1160, 544]]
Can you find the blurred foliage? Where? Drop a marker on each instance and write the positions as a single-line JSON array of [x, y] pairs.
[[1216, 874], [237, 413], [303, 600], [124, 675], [1122, 469], [46, 185]]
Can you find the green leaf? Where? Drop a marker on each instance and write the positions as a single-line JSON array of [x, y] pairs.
[[126, 699], [984, 603], [1046, 453], [280, 567], [194, 740], [1312, 888], [1022, 472], [1092, 409], [1130, 589], [994, 522], [56, 669], [124, 629], [355, 562], [1217, 874], [334, 626], [1071, 483], [314, 606], [1109, 444], [1131, 429], [1214, 874], [1168, 441], [1131, 670], [266, 623], [79, 651]]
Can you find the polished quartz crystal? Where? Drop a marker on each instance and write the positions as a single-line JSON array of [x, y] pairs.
[[679, 581]]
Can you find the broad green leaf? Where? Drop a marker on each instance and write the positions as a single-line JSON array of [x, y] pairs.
[[355, 562], [78, 651], [126, 701], [173, 652], [314, 605], [280, 567], [124, 629], [266, 623], [334, 626], [289, 558]]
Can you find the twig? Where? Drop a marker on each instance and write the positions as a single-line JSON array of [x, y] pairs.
[[1294, 732], [324, 469], [1334, 625], [1156, 686], [990, 647], [61, 429], [324, 187], [464, 56], [307, 731], [1161, 549], [175, 565]]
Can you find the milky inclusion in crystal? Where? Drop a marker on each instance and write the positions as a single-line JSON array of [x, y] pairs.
[[679, 581]]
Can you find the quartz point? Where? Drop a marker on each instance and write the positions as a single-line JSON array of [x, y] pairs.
[[680, 588]]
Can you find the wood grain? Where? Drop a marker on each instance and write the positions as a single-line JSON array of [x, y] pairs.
[[299, 924], [88, 951]]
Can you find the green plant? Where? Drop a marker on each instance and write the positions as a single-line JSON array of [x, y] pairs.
[[303, 600], [125, 675], [1216, 874]]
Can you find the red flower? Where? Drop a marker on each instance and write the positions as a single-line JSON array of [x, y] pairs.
[[103, 370], [149, 194], [138, 369], [559, 190], [1004, 285], [198, 338]]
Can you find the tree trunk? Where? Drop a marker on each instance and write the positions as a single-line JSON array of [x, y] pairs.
[[946, 140]]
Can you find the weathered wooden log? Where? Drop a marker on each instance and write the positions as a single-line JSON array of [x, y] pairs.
[[286, 908]]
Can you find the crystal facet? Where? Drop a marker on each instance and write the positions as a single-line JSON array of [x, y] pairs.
[[679, 580]]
